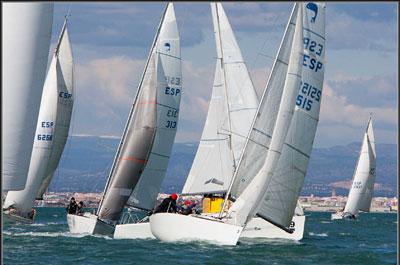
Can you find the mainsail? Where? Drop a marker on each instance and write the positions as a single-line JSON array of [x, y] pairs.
[[52, 127], [247, 204], [145, 147], [362, 188], [231, 110], [25, 48]]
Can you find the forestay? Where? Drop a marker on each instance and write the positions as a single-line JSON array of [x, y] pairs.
[[25, 48], [148, 137], [284, 189], [247, 205], [231, 110], [52, 126], [361, 191]]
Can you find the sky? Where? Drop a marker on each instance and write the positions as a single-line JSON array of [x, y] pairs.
[[111, 41]]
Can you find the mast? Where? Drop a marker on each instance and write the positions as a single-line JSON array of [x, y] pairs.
[[225, 86], [64, 27], [132, 109], [264, 95]]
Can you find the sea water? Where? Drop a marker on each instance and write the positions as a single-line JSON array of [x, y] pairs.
[[371, 239]]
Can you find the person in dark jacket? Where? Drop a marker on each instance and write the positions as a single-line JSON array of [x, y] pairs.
[[72, 207], [168, 205], [79, 209]]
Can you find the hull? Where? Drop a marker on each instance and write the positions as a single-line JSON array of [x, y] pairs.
[[341, 215], [171, 227], [259, 228], [336, 216], [133, 231], [12, 219], [88, 224]]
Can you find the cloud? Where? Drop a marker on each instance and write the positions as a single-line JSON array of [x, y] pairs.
[[342, 121], [346, 30], [104, 92], [367, 91]]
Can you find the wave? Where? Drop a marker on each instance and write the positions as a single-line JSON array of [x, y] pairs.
[[344, 234], [326, 222], [45, 234], [318, 234]]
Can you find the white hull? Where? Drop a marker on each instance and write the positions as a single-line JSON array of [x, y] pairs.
[[336, 216], [341, 215], [12, 219], [259, 228], [176, 227], [88, 224], [133, 231]]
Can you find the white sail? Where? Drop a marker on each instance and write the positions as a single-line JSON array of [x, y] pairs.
[[284, 189], [361, 191], [52, 127], [168, 102], [247, 204], [25, 48], [231, 110], [147, 141], [259, 139]]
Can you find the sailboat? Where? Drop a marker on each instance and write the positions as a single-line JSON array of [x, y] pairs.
[[143, 154], [51, 131], [231, 110], [362, 188], [25, 48], [282, 133]]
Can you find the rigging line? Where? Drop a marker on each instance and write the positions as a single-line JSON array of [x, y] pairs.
[[128, 122]]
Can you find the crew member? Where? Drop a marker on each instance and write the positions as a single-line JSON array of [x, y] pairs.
[[72, 207], [168, 205]]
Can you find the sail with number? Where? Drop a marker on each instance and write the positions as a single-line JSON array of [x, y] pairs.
[[248, 203], [279, 203], [25, 49], [284, 189], [362, 188], [143, 154], [231, 110], [52, 127]]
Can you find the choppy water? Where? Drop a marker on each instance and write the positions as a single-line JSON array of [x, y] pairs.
[[369, 240]]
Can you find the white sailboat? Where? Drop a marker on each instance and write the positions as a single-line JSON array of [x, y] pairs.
[[51, 131], [280, 130], [232, 108], [141, 161], [25, 48], [362, 188]]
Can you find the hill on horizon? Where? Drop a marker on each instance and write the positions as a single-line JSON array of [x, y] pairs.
[[86, 162]]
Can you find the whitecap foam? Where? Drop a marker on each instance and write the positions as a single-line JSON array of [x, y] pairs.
[[318, 234], [47, 234]]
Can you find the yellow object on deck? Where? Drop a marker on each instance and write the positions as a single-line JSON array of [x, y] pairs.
[[212, 205]]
